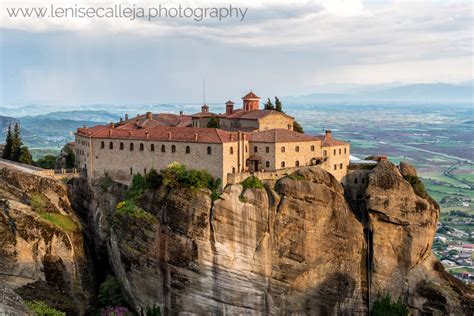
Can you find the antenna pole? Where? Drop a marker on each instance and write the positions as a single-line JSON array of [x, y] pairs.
[[204, 89]]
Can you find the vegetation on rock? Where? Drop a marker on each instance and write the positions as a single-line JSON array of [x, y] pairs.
[[130, 208], [417, 185], [40, 308], [252, 183], [112, 293], [385, 307]]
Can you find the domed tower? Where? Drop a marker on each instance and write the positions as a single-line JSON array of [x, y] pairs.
[[251, 102]]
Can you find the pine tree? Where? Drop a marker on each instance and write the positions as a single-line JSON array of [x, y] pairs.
[[269, 105], [7, 150], [25, 156], [297, 127], [16, 143], [278, 105]]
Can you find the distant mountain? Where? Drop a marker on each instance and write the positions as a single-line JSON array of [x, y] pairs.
[[414, 93], [5, 121], [85, 115]]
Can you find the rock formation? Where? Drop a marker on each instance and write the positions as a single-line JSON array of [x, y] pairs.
[[42, 255], [299, 246]]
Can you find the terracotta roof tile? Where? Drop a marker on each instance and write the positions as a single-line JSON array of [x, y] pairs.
[[250, 95]]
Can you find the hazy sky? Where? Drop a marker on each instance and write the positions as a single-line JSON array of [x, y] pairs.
[[279, 49]]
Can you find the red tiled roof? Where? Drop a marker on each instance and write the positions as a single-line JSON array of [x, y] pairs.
[[250, 95], [161, 133], [332, 142], [252, 115], [160, 119], [280, 135]]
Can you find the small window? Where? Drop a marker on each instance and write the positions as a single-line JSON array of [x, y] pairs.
[[142, 147], [363, 180], [345, 150], [267, 149], [111, 145], [131, 146], [209, 150], [325, 153], [297, 163], [312, 148], [131, 170], [282, 149], [340, 151], [144, 171], [340, 166], [102, 145], [335, 167], [255, 149], [188, 149], [283, 164], [163, 148], [334, 152], [267, 163], [231, 150], [297, 149], [355, 180], [121, 146], [173, 148], [152, 147], [246, 148], [233, 169]]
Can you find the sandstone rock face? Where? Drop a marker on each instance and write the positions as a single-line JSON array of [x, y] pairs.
[[11, 303], [407, 169], [39, 258], [296, 247]]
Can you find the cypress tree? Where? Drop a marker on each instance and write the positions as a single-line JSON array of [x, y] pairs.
[[278, 105], [7, 150], [16, 143], [269, 105], [25, 156]]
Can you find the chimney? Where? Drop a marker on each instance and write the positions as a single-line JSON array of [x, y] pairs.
[[146, 134], [126, 116], [112, 125], [180, 112], [121, 120], [84, 126], [129, 133], [229, 107], [195, 136], [205, 108], [328, 134], [149, 116], [231, 137], [169, 135], [110, 133]]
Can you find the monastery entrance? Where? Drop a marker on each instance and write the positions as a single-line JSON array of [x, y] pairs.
[[253, 163]]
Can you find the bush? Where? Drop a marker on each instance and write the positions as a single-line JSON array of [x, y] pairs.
[[111, 293], [40, 308], [417, 186], [137, 188], [384, 307], [153, 311], [130, 208], [252, 183], [47, 162]]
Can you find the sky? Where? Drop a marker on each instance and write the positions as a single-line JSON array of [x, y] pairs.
[[280, 48]]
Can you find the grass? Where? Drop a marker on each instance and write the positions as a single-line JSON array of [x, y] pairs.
[[61, 221], [130, 208], [252, 183], [40, 308], [40, 203]]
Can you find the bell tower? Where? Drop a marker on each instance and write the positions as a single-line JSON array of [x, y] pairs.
[[251, 101]]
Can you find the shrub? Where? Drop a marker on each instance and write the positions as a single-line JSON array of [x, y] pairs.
[[137, 188], [105, 183], [47, 162], [252, 183], [153, 179], [417, 186], [130, 208], [40, 308], [111, 293], [296, 176], [384, 307], [153, 311]]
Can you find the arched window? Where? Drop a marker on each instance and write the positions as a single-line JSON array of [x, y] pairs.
[[267, 149], [144, 171], [297, 149], [334, 152], [188, 149], [233, 169], [231, 150], [111, 145], [209, 150], [121, 146], [340, 166], [355, 180], [131, 170], [363, 180], [340, 151], [297, 163], [325, 153], [102, 145], [163, 148], [131, 146], [173, 148], [255, 149], [312, 148], [283, 164], [267, 164], [142, 147], [152, 147], [282, 149], [345, 150]]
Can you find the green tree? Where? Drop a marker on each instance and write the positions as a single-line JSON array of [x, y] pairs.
[[7, 151], [70, 157], [25, 156], [385, 307], [213, 122], [16, 143], [278, 105], [297, 127], [47, 162], [269, 105]]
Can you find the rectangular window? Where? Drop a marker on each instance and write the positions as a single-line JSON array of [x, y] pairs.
[[335, 167], [345, 150], [340, 166], [334, 152], [282, 149], [255, 149]]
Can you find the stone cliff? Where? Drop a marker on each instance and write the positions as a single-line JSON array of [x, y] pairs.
[[302, 245], [42, 254]]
